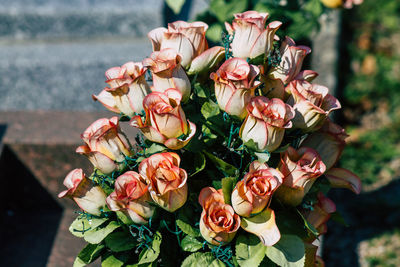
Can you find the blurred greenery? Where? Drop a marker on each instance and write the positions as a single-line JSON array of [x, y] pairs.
[[371, 95], [299, 17]]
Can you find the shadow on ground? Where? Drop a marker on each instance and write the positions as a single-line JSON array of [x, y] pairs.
[[368, 215]]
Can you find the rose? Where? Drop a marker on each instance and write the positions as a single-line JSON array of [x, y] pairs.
[[218, 221], [292, 57], [207, 60], [188, 39], [128, 87], [89, 198], [250, 37], [234, 86], [339, 3], [320, 213], [329, 142], [265, 124], [167, 71], [312, 104], [300, 169], [252, 194], [165, 120], [167, 182], [106, 145], [131, 196]]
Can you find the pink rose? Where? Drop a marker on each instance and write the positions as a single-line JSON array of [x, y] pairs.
[[292, 57], [167, 71], [167, 182], [128, 87], [188, 39], [329, 142], [300, 169], [234, 84], [266, 123], [312, 104], [252, 194], [250, 37], [132, 197], [218, 222], [82, 190], [165, 120], [320, 213], [106, 145]]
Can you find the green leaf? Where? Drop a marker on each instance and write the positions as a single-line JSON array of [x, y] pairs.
[[153, 149], [263, 157], [249, 250], [111, 261], [210, 109], [124, 218], [120, 241], [201, 91], [88, 254], [224, 167], [308, 225], [175, 5], [288, 252], [217, 184], [97, 235], [184, 223], [228, 184], [193, 163], [199, 259], [224, 10], [81, 226], [281, 149], [149, 255], [214, 32], [191, 244]]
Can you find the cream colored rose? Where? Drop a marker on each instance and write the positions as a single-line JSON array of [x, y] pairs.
[[90, 198], [300, 169], [187, 39], [218, 222], [167, 182], [167, 71], [128, 87], [106, 145], [131, 196], [265, 124], [234, 84], [312, 104], [165, 120], [250, 37], [252, 194]]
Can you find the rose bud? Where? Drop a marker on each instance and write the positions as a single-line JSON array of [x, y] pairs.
[[292, 57], [234, 84], [188, 39], [300, 169], [167, 71], [312, 105], [266, 123], [165, 120], [106, 145], [329, 142], [82, 190], [132, 197], [218, 222], [128, 87], [207, 60], [250, 37], [252, 194], [320, 213], [167, 182]]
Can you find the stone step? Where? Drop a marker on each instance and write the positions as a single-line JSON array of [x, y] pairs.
[[49, 19], [61, 75]]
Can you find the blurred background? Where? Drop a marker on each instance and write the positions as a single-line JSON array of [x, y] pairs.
[[53, 55]]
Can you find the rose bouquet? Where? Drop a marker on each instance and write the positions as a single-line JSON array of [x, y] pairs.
[[234, 155]]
